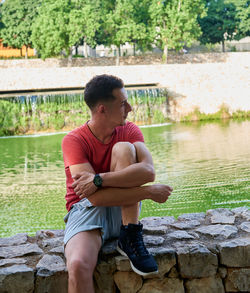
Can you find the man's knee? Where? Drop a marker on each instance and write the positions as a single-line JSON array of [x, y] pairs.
[[83, 267], [124, 151]]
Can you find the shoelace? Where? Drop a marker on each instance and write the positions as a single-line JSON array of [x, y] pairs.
[[136, 242]]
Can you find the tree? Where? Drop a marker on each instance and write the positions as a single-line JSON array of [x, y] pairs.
[[84, 21], [17, 18], [50, 31], [62, 24], [243, 15], [174, 23], [220, 23], [122, 24]]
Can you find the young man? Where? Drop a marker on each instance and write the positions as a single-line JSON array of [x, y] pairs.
[[106, 164]]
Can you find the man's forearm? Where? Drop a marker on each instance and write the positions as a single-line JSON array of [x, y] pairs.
[[134, 175], [119, 196], [128, 196]]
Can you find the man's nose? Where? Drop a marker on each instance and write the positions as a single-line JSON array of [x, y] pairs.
[[129, 107]]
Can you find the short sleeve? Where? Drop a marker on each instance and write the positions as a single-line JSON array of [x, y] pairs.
[[134, 133], [74, 151]]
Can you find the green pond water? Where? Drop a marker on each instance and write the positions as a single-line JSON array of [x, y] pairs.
[[207, 164]]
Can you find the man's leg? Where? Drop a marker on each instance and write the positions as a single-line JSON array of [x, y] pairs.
[[81, 254], [123, 155], [130, 240]]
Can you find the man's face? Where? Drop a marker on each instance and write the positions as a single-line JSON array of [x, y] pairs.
[[118, 109]]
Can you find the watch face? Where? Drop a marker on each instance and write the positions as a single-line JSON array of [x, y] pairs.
[[98, 180]]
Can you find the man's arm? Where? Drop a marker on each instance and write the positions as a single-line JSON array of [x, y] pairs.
[[134, 175], [113, 196]]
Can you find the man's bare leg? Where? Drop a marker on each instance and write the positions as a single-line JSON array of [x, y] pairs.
[[81, 254], [123, 155]]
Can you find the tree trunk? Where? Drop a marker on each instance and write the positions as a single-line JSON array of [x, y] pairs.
[[85, 49], [134, 49], [26, 52], [76, 49], [165, 54], [21, 52], [223, 46], [117, 60]]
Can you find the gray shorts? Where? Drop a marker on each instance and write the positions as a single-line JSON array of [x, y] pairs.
[[85, 217]]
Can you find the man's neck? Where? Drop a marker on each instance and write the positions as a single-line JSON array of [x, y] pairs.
[[100, 130]]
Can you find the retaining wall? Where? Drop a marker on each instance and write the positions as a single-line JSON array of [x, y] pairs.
[[204, 86], [197, 253]]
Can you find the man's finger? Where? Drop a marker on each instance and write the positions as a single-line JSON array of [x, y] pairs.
[[76, 176]]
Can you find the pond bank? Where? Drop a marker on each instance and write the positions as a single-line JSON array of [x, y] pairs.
[[198, 253], [205, 87]]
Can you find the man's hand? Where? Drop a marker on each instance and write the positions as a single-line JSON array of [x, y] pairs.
[[83, 185], [160, 192]]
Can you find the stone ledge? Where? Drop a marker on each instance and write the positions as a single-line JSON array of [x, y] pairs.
[[197, 253]]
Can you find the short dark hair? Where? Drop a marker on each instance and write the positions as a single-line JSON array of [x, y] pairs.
[[99, 89]]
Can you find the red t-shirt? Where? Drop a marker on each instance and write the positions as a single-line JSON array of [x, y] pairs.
[[81, 146]]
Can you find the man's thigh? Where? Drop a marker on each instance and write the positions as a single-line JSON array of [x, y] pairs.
[[84, 247]]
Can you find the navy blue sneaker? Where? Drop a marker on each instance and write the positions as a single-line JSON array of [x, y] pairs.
[[131, 244]]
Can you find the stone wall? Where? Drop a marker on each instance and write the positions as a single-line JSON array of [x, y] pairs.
[[128, 60], [203, 86], [197, 253]]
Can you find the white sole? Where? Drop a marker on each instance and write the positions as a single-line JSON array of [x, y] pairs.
[[132, 266]]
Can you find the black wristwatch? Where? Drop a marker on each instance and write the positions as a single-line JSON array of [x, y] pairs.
[[97, 180]]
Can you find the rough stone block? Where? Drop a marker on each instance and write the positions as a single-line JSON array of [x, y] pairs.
[[166, 285], [165, 259], [191, 217], [235, 253], [180, 235], [20, 250], [12, 261], [45, 234], [52, 242], [49, 264], [157, 221], [56, 283], [158, 230], [122, 263], [186, 225], [245, 226], [238, 280], [51, 275], [153, 240], [205, 285], [103, 276], [196, 261], [218, 231], [17, 239], [17, 278], [240, 210], [221, 216], [57, 250], [128, 282]]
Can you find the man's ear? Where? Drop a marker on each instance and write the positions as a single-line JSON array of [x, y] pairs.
[[101, 108]]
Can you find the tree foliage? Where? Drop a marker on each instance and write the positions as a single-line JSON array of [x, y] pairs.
[[175, 22], [220, 23], [17, 18], [84, 21], [50, 32], [123, 23], [53, 27], [243, 16], [63, 23]]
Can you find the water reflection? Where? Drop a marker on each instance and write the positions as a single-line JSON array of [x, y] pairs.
[[206, 163]]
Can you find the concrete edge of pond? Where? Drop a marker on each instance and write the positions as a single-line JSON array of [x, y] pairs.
[[199, 252]]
